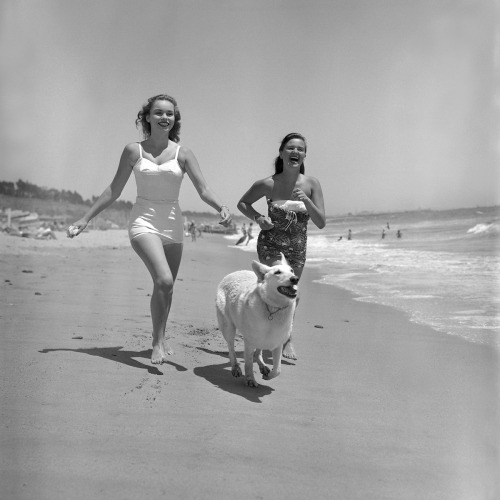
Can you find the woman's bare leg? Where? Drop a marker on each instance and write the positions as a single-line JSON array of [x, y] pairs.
[[288, 349], [163, 264]]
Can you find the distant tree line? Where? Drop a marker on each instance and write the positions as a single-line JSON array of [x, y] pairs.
[[23, 189]]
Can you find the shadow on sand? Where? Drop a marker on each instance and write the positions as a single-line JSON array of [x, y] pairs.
[[220, 376], [125, 357]]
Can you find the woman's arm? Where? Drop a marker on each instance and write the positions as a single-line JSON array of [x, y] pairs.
[[258, 190], [191, 166], [314, 203], [112, 192]]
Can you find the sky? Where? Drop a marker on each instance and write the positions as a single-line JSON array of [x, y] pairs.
[[397, 98]]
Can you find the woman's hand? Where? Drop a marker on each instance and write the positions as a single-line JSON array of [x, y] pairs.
[[265, 223], [225, 216], [76, 228], [314, 203], [299, 195]]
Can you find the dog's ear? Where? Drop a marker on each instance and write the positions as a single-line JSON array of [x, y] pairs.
[[260, 270], [283, 259]]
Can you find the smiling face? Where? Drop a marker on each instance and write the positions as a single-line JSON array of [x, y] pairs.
[[294, 153], [162, 116]]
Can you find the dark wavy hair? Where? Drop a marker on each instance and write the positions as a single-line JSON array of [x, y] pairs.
[[278, 162], [174, 134]]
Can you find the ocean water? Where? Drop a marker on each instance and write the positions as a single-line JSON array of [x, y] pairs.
[[444, 270]]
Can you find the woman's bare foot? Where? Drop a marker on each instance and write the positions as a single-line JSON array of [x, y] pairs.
[[158, 354], [288, 350]]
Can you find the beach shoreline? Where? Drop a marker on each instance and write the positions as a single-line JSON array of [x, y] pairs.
[[375, 406]]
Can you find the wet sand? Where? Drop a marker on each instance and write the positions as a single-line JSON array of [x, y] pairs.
[[375, 407]]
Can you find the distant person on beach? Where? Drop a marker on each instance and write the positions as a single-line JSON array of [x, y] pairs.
[[399, 234], [349, 235], [45, 232], [12, 231], [250, 232], [156, 223], [383, 233], [292, 199], [192, 230], [244, 235]]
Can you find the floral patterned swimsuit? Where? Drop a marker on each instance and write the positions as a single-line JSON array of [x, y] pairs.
[[289, 235]]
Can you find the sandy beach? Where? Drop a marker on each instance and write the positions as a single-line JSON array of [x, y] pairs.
[[376, 407]]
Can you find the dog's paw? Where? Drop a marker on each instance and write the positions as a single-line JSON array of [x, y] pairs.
[[264, 370], [236, 371], [251, 382]]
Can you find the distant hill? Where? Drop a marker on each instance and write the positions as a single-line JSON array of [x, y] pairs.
[[63, 211], [67, 206]]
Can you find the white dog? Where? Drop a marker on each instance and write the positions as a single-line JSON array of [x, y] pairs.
[[260, 306]]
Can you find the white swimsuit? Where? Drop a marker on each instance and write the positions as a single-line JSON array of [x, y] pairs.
[[156, 210]]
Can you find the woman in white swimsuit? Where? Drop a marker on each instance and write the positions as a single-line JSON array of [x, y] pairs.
[[156, 222], [292, 198]]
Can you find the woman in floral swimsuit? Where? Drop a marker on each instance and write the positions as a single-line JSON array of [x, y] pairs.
[[292, 199]]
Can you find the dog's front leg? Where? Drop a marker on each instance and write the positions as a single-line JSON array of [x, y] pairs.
[[249, 376], [276, 363], [264, 369]]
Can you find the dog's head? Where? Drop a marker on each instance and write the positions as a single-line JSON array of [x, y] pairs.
[[277, 278]]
